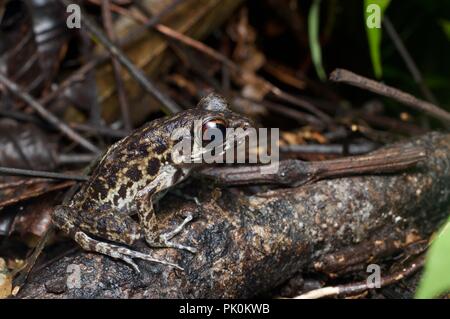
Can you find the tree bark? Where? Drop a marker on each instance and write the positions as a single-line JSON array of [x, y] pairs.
[[249, 243]]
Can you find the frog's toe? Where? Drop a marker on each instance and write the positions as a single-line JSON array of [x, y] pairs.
[[169, 244], [191, 249], [167, 236], [129, 254], [130, 262], [163, 240]]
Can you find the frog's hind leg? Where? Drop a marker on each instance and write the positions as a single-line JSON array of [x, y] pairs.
[[117, 252], [110, 225], [107, 225]]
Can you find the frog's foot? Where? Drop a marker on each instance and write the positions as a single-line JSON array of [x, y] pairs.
[[163, 240], [117, 252]]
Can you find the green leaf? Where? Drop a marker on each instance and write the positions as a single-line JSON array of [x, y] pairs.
[[314, 41], [445, 24], [436, 278], [373, 14]]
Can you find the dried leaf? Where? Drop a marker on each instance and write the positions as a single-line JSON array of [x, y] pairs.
[[29, 188], [41, 26], [26, 146], [16, 34], [34, 219]]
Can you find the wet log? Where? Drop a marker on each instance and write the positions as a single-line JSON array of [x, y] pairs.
[[250, 243]]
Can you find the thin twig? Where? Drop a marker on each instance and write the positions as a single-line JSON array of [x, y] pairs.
[[63, 159], [43, 174], [360, 287], [337, 149], [411, 65], [134, 34], [168, 105], [23, 273], [157, 17], [299, 116], [121, 93], [345, 76], [201, 47], [100, 130], [214, 54], [48, 116], [77, 76], [390, 123], [20, 116]]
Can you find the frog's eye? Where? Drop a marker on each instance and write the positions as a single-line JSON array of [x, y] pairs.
[[214, 126]]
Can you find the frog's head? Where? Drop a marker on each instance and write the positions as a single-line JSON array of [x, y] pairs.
[[218, 115], [216, 126]]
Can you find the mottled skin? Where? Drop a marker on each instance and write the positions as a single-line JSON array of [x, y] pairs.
[[132, 174]]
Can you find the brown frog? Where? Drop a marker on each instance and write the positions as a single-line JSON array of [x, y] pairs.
[[132, 175]]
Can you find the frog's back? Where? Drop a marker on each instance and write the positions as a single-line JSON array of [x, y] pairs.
[[134, 162], [128, 166]]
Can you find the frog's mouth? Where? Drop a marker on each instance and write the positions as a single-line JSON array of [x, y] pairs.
[[234, 141]]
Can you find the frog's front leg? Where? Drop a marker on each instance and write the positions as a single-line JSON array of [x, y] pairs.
[[150, 226]]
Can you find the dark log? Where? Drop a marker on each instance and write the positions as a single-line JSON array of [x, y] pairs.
[[250, 243]]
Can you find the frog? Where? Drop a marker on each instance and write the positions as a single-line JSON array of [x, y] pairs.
[[133, 174]]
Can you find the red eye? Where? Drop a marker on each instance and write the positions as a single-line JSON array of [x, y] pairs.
[[214, 127]]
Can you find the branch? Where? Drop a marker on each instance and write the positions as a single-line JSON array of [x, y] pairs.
[[362, 286], [345, 76], [297, 172]]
